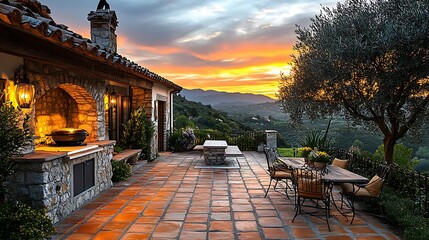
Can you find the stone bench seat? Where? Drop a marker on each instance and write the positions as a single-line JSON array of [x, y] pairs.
[[198, 148], [127, 155], [233, 151]]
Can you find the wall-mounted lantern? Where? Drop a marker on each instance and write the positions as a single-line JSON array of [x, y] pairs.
[[24, 89], [113, 97]]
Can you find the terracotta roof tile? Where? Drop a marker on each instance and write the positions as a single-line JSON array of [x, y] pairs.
[[33, 17]]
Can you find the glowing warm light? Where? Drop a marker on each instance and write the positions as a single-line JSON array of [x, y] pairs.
[[24, 94]]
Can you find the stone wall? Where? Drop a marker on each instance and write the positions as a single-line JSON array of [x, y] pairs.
[[87, 91], [142, 98], [55, 109], [271, 138], [49, 183]]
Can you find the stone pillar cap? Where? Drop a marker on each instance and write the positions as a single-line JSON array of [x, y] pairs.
[[271, 131]]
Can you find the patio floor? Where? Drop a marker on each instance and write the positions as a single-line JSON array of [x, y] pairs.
[[170, 199]]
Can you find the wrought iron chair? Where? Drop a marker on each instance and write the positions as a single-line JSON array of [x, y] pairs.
[[371, 190], [277, 170], [309, 185]]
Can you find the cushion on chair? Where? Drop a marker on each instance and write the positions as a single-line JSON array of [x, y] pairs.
[[282, 174], [374, 186], [310, 188], [349, 188], [340, 163]]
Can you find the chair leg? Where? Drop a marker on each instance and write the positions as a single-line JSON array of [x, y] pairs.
[[268, 189], [287, 186], [350, 200], [328, 214], [297, 208]]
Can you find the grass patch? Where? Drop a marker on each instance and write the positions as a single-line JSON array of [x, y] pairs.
[[289, 152]]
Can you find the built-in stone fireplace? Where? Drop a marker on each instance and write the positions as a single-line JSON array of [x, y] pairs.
[[67, 106]]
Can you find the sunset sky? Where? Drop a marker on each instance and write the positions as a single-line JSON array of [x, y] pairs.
[[224, 45]]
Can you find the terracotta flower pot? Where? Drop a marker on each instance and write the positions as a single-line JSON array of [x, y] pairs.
[[320, 165]]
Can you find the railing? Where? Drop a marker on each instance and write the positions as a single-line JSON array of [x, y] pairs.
[[246, 141], [411, 184]]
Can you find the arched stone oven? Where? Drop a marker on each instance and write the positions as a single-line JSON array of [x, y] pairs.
[[67, 100]]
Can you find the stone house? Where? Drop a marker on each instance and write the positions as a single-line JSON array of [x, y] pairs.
[[78, 83]]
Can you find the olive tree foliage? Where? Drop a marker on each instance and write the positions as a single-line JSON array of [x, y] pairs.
[[367, 60]]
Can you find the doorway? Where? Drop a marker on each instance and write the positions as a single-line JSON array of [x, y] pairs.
[[161, 125]]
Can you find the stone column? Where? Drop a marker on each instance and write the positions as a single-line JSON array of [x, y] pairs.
[[271, 138]]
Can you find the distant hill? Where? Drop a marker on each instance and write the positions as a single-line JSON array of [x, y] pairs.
[[262, 109], [216, 98]]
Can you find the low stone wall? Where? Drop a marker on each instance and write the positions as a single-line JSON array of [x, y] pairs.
[[47, 180], [214, 156]]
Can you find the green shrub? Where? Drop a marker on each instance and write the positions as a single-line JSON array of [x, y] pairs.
[[316, 139], [12, 137], [121, 171], [138, 133], [399, 211], [401, 156], [20, 221], [118, 149]]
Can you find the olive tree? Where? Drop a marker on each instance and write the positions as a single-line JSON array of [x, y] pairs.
[[367, 60]]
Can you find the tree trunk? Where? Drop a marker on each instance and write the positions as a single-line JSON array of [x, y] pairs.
[[389, 146]]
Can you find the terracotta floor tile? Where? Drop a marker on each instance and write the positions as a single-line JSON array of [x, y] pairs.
[[135, 236], [186, 235], [153, 212], [361, 229], [115, 226], [244, 216], [108, 235], [242, 208], [199, 210], [246, 226], [106, 212], [196, 217], [175, 216], [221, 226], [80, 237], [270, 222], [341, 237], [220, 235], [89, 228], [275, 233], [300, 232], [266, 213], [167, 229], [249, 236], [220, 209], [374, 237], [195, 227], [220, 216], [125, 217], [146, 219], [141, 228]]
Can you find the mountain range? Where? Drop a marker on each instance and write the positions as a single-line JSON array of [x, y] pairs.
[[215, 98]]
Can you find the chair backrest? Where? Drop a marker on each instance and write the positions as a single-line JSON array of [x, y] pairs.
[[383, 170], [375, 186], [340, 163], [309, 183], [270, 155]]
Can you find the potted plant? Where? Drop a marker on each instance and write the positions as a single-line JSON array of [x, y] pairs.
[[320, 159], [305, 151]]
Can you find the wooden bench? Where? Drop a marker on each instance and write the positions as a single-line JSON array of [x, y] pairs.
[[128, 155]]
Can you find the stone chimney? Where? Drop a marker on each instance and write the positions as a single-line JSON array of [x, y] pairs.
[[103, 27]]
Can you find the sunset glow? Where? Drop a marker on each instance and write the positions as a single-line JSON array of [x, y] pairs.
[[232, 46]]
